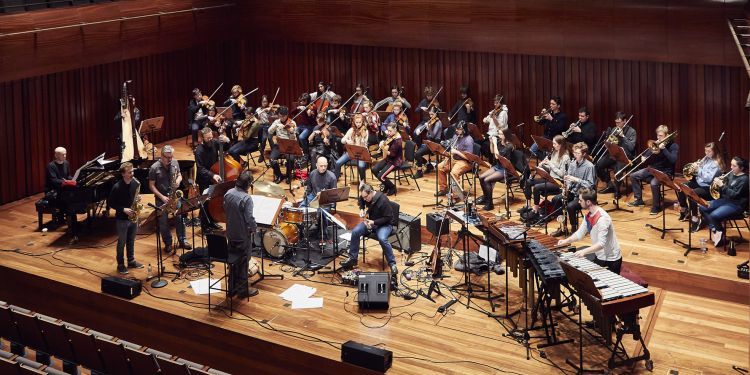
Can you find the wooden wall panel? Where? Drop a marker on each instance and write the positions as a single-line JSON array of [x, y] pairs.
[[700, 101], [692, 31], [46, 52], [76, 109]]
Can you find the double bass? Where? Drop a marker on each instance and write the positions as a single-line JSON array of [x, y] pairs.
[[131, 139], [228, 169]]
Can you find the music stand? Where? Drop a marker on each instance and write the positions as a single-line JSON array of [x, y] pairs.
[[463, 236], [443, 117], [358, 153], [618, 155], [149, 126], [289, 148], [189, 206], [266, 212], [475, 132], [439, 151], [475, 161], [510, 171], [330, 197], [665, 181], [341, 194], [541, 172], [692, 195], [544, 144]]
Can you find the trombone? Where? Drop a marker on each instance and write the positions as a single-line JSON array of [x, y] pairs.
[[653, 146], [602, 147]]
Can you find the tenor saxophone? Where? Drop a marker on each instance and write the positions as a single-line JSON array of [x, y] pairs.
[[137, 206], [171, 207]]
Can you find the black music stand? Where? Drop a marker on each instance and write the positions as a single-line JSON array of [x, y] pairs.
[[475, 161], [190, 205], [149, 126], [510, 171], [439, 151], [665, 181], [692, 195], [474, 131], [330, 197], [547, 177], [618, 155], [289, 148], [544, 144], [274, 218], [358, 153]]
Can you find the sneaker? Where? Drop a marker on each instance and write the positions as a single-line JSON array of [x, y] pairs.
[[394, 269], [718, 237], [441, 193], [696, 225], [684, 214], [654, 211], [348, 264], [418, 175], [135, 264], [185, 245], [122, 269], [636, 203]]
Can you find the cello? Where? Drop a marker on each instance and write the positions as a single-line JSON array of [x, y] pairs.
[[228, 169], [131, 140]]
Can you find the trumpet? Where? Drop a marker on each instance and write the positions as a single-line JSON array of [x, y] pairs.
[[568, 132], [690, 170], [715, 189], [543, 113]]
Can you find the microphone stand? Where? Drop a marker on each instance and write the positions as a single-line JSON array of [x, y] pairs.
[[159, 282]]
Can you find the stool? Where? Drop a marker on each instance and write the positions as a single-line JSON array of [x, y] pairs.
[[43, 206]]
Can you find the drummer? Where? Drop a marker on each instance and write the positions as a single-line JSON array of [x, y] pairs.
[[322, 179]]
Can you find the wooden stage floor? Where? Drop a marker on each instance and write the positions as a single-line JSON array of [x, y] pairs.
[[698, 326]]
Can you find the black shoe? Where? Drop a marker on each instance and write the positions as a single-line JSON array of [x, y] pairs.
[[185, 245], [122, 269], [135, 264], [558, 233], [168, 249], [418, 175], [488, 207], [654, 211], [696, 226], [429, 167], [636, 203], [214, 226], [480, 200], [394, 270], [251, 292], [348, 264], [261, 159], [684, 215], [441, 193], [607, 190], [391, 191], [277, 180], [523, 209]]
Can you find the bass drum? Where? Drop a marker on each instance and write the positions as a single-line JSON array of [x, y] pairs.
[[276, 240]]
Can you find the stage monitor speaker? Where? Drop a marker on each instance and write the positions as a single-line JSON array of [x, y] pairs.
[[411, 237], [437, 223], [120, 287], [366, 356], [373, 290]]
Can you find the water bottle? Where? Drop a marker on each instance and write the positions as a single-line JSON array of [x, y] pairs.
[[148, 272], [676, 206], [704, 249]]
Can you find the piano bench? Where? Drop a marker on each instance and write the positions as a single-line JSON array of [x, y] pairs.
[[627, 273], [44, 207]]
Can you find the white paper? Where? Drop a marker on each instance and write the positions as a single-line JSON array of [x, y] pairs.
[[201, 286], [264, 208], [297, 291], [307, 303], [346, 236], [483, 253]]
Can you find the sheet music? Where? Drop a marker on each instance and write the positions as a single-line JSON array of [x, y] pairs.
[[265, 209], [86, 165]]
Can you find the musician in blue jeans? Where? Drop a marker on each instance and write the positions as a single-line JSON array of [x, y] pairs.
[[380, 220], [733, 199]]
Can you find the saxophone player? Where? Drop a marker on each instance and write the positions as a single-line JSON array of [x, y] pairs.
[[733, 199], [124, 200], [163, 176], [700, 175]]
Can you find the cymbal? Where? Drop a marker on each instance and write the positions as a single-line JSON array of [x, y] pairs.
[[268, 189]]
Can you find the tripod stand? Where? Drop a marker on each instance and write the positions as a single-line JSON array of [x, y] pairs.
[[159, 282], [664, 180]]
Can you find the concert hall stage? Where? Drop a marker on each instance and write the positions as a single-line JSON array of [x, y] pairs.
[[699, 323]]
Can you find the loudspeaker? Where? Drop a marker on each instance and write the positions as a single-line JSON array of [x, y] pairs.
[[373, 290], [437, 223], [120, 287], [366, 356], [411, 237]]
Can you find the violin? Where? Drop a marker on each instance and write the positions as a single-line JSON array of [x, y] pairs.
[[209, 103], [469, 104], [402, 120]]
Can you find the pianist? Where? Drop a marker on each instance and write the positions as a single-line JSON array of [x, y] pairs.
[[58, 171], [603, 238]]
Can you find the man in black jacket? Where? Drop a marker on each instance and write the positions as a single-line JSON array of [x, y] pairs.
[[380, 219], [58, 171], [121, 200], [196, 114], [206, 155], [585, 131], [554, 121], [663, 161]]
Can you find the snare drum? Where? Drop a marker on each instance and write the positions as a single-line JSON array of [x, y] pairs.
[[300, 215], [275, 240]]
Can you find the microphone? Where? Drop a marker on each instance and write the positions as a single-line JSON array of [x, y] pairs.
[[444, 308], [520, 125]]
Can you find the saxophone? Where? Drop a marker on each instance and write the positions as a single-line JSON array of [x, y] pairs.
[[171, 207], [137, 206]]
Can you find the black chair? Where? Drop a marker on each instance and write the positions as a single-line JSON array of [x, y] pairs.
[[168, 366], [731, 223], [405, 171], [84, 348], [31, 335], [218, 251], [396, 209], [477, 150], [9, 331], [57, 341], [141, 362], [113, 354]]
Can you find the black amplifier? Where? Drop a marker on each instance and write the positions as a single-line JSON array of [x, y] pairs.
[[373, 290], [125, 288], [366, 356], [437, 223]]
